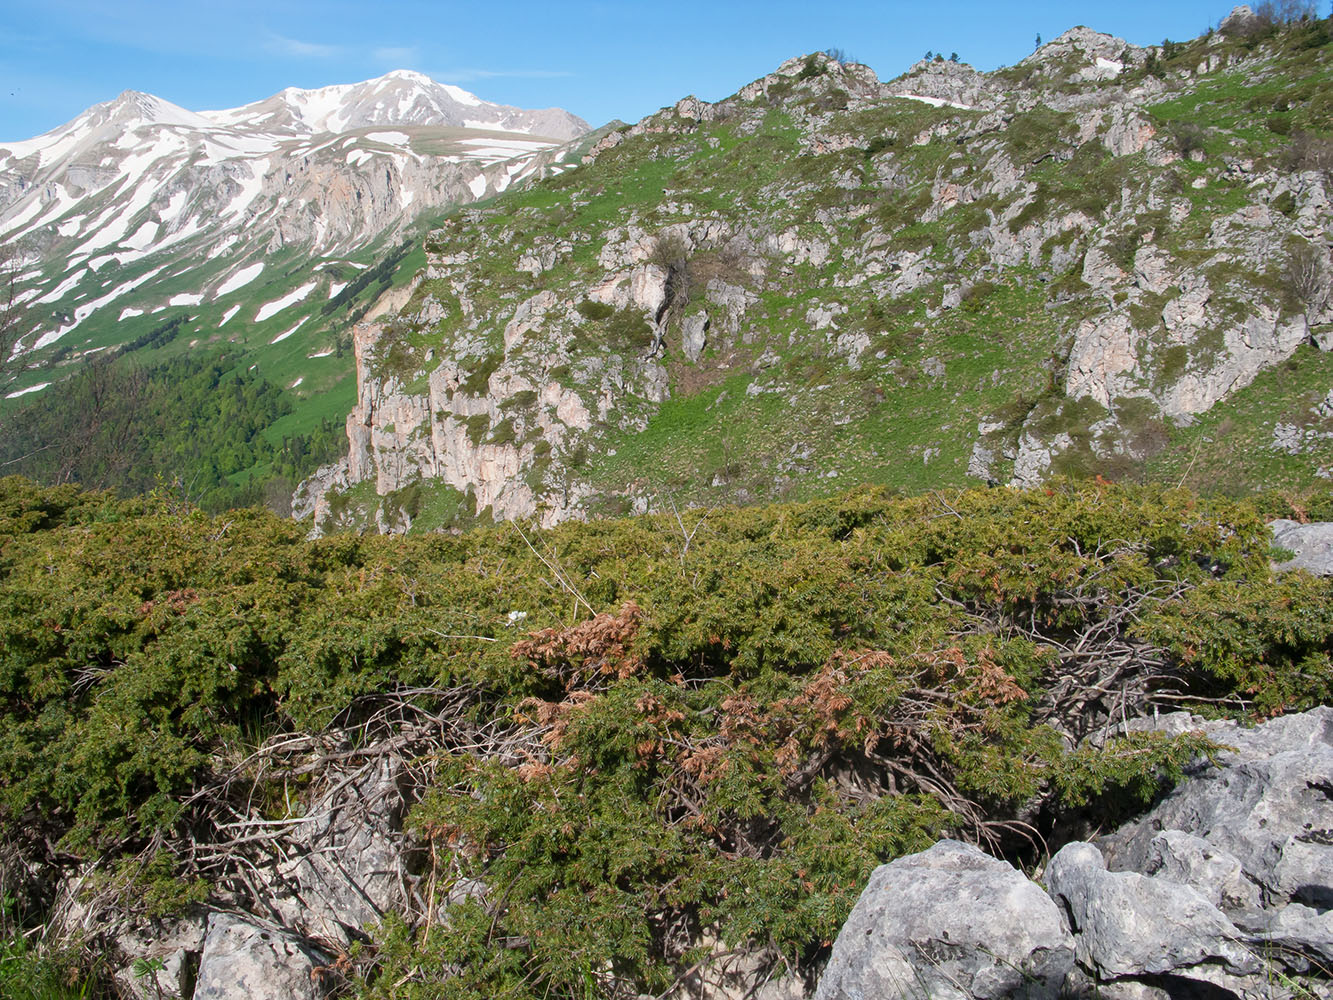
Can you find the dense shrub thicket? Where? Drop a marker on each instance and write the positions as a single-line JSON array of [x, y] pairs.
[[713, 726]]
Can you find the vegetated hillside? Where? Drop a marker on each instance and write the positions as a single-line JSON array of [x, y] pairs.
[[144, 417], [628, 751], [1104, 259]]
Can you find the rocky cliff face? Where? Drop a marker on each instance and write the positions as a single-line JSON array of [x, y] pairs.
[[1050, 268]]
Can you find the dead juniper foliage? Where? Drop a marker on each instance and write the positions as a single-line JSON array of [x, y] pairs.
[[598, 647]]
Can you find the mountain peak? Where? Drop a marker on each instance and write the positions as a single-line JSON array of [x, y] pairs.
[[150, 110], [408, 74]]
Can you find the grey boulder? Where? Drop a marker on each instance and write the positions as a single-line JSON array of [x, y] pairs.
[[1189, 860], [352, 865], [1129, 925], [694, 335], [246, 960], [1311, 543], [950, 923]]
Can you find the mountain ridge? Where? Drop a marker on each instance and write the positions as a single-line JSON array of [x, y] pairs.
[[112, 211], [1064, 274]]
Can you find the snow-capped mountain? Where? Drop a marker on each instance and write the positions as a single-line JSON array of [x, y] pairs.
[[398, 98], [138, 203]]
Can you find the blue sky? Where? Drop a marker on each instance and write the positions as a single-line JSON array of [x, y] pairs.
[[601, 60]]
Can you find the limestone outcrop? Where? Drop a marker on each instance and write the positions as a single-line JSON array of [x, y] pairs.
[[949, 922], [1222, 889]]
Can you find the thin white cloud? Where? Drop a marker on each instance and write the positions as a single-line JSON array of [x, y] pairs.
[[300, 49], [396, 55], [465, 75]]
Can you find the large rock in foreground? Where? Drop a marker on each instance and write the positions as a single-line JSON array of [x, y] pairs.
[[245, 960], [950, 923], [1268, 804]]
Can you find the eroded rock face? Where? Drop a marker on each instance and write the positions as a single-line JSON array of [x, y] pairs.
[[949, 922], [1127, 924], [1153, 320], [1268, 805], [482, 438]]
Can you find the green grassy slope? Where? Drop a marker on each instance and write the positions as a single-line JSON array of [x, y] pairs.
[[929, 306]]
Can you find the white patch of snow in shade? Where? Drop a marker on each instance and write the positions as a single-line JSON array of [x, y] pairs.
[[271, 309], [136, 164], [297, 382], [53, 209], [230, 148], [217, 248], [406, 196], [336, 287], [229, 314], [17, 222], [477, 185], [173, 207], [129, 311], [32, 388], [250, 188], [389, 138], [357, 157], [50, 147], [70, 226], [241, 278], [114, 230], [509, 147], [184, 232], [320, 109], [496, 127], [936, 102], [185, 299], [321, 354], [287, 333]]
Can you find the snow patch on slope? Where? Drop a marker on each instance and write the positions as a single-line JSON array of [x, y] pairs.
[[287, 333], [270, 309], [241, 278]]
